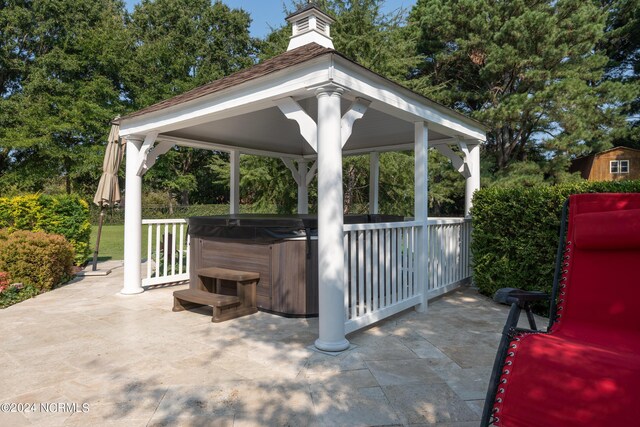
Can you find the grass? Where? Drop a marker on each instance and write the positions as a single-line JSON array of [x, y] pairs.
[[112, 242]]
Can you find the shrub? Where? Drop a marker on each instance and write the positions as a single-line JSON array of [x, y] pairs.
[[5, 281], [36, 259], [64, 215], [515, 232]]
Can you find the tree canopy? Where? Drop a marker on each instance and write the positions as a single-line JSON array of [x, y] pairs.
[[530, 70], [552, 79]]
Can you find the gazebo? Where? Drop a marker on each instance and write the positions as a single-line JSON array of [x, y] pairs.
[[309, 106]]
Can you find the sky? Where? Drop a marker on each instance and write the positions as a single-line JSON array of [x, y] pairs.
[[269, 13]]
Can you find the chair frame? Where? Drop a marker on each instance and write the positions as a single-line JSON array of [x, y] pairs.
[[521, 300]]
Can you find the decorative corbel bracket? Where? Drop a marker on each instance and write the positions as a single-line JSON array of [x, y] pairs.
[[149, 153], [311, 173], [355, 112], [301, 173], [457, 162], [293, 111], [308, 127], [465, 150]]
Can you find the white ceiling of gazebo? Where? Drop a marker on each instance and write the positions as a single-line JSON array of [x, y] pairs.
[[269, 128]]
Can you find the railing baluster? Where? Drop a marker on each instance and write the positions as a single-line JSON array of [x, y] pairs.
[[368, 302], [354, 274], [149, 248], [394, 266], [411, 255], [361, 273], [158, 250], [181, 257], [375, 281], [173, 249], [165, 255], [387, 267]]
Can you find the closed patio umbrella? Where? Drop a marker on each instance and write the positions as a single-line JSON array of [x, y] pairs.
[[108, 193]]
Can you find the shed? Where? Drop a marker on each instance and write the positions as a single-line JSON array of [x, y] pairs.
[[615, 164]]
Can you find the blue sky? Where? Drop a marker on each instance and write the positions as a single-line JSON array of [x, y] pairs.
[[270, 13]]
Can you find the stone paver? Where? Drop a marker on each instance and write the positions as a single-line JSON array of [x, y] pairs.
[[134, 362]]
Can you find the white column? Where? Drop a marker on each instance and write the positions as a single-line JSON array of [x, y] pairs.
[[234, 196], [330, 223], [132, 220], [374, 178], [421, 147], [303, 190], [473, 181]]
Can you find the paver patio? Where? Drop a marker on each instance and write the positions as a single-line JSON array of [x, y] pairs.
[[136, 363]]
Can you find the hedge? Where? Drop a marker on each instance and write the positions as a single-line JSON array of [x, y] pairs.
[[515, 232], [64, 215], [36, 259]]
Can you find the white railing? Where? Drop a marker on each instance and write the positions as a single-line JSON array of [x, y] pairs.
[[167, 251], [380, 271], [449, 255], [382, 275]]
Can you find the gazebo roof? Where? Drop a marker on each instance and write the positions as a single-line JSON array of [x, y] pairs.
[[240, 111], [278, 63]]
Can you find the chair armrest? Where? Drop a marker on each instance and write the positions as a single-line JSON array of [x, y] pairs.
[[518, 296]]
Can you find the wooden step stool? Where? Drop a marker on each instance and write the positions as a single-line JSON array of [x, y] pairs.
[[225, 307]]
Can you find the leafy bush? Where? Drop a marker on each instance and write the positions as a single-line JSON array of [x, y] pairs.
[[64, 215], [5, 281], [15, 294], [515, 232], [36, 259]]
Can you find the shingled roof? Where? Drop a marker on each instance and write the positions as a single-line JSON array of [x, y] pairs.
[[278, 63]]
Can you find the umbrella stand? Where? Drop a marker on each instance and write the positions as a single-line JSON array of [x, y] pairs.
[[95, 252]]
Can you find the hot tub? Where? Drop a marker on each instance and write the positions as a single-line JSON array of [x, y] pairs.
[[283, 249]]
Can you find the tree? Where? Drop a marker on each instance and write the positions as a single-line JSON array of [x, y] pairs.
[[622, 45], [179, 45], [362, 32], [528, 69], [60, 88], [182, 44]]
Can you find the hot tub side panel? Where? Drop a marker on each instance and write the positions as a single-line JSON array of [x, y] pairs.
[[295, 277]]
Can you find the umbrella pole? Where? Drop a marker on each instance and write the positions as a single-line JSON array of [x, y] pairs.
[[95, 252]]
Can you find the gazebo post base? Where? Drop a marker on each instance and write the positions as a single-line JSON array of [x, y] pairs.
[[331, 346]]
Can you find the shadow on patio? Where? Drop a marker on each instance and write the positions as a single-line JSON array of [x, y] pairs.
[[137, 363]]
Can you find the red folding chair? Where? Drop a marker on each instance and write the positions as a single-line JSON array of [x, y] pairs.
[[585, 370]]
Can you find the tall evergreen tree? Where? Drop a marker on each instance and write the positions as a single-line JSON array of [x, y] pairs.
[[622, 45], [528, 69]]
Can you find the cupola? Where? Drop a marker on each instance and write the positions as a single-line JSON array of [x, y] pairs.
[[310, 25]]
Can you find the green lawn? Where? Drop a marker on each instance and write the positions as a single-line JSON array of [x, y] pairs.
[[112, 242]]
